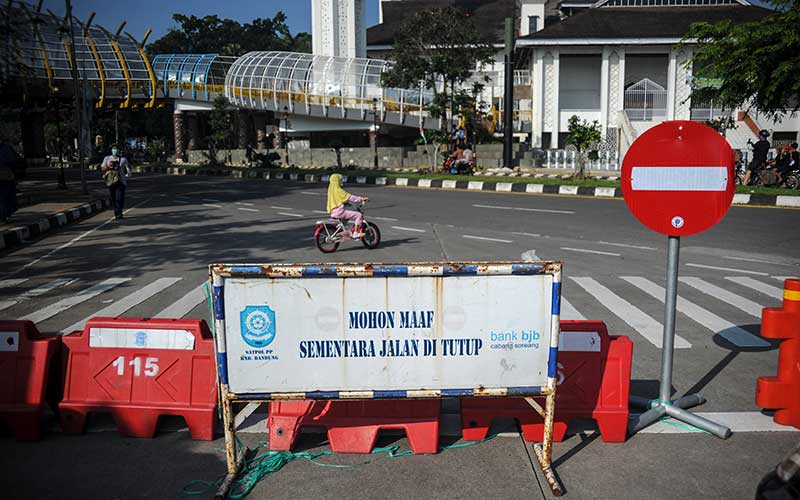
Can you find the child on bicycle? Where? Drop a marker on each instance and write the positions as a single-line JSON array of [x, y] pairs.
[[337, 198]]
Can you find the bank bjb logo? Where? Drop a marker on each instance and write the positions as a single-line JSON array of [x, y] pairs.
[[258, 325]]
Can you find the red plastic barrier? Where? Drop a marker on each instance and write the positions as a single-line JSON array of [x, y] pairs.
[[25, 358], [783, 391], [593, 382], [353, 426], [138, 370]]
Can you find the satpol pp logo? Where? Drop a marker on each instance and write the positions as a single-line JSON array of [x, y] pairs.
[[258, 325]]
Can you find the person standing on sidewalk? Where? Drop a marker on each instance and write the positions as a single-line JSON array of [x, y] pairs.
[[8, 182], [116, 171]]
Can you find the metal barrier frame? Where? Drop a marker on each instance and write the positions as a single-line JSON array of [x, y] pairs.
[[218, 273]]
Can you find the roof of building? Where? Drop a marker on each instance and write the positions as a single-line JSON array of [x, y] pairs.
[[643, 22], [488, 14]]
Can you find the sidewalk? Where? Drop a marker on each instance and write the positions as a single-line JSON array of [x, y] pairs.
[[43, 206]]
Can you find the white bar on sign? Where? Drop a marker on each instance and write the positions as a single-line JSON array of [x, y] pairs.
[[176, 340], [579, 342], [679, 178], [9, 341]]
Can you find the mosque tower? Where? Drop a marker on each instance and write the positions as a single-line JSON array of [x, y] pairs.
[[338, 28]]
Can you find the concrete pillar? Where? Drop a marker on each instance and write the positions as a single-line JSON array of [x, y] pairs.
[[193, 125], [556, 101], [537, 84], [243, 126], [671, 73], [604, 111], [33, 144], [179, 135], [260, 122]]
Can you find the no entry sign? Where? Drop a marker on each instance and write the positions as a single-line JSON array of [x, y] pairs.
[[677, 178]]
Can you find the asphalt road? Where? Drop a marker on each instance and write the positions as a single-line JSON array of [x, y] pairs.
[[154, 263]]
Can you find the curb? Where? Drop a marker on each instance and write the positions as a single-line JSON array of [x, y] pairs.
[[18, 235], [769, 200]]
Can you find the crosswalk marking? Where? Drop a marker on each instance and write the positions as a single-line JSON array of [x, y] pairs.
[[185, 304], [568, 311], [41, 290], [119, 307], [82, 296], [646, 326], [717, 268], [772, 291], [12, 282], [750, 307], [727, 330]]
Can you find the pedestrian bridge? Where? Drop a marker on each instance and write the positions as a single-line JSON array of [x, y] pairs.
[[295, 83]]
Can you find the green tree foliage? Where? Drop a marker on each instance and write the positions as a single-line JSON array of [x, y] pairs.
[[441, 48], [583, 135], [220, 125], [752, 64], [210, 34]]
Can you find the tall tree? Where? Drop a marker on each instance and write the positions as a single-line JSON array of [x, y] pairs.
[[751, 64], [211, 34], [441, 48]]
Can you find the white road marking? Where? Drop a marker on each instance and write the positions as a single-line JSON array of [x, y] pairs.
[[119, 307], [41, 290], [784, 278], [76, 239], [383, 218], [727, 330], [737, 421], [245, 204], [281, 208], [12, 282], [748, 259], [624, 245], [182, 202], [583, 250], [524, 209], [185, 304], [483, 238], [568, 311], [532, 235], [772, 291], [311, 193], [211, 205], [289, 214], [703, 266], [646, 326], [211, 200], [401, 228], [750, 307], [247, 209], [73, 300]]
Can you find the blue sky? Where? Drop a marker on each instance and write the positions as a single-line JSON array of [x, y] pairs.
[[157, 14]]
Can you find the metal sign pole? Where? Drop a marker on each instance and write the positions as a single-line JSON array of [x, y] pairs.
[[664, 405]]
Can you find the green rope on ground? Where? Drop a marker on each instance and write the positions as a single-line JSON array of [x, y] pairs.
[[680, 425], [263, 464]]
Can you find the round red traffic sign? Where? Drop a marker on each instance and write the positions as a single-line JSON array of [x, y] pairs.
[[677, 178]]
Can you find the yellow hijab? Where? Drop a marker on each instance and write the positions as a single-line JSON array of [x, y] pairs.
[[336, 195]]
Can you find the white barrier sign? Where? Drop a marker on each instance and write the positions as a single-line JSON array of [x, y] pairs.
[[395, 332]]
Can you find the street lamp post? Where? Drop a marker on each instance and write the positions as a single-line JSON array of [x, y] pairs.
[[375, 131], [286, 134]]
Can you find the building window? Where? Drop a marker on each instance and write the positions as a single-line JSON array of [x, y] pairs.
[[533, 24]]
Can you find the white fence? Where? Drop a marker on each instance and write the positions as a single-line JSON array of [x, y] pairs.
[[646, 101], [559, 158]]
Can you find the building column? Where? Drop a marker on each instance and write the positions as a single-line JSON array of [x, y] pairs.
[[556, 82], [671, 74], [33, 144], [605, 117], [193, 126], [537, 96], [179, 136], [683, 89]]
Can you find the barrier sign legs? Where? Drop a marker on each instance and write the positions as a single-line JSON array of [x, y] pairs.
[[664, 405]]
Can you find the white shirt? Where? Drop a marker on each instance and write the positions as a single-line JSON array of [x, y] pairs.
[[124, 167]]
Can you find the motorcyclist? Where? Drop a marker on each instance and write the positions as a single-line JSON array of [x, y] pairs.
[[760, 150]]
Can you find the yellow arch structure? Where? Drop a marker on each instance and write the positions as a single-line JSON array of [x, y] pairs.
[[151, 74]]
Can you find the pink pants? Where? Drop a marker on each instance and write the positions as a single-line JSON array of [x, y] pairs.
[[340, 213]]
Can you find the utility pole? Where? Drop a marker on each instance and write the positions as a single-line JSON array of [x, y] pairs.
[[78, 100], [508, 95], [375, 131]]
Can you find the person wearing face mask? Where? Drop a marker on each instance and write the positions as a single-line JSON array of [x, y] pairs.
[[116, 171]]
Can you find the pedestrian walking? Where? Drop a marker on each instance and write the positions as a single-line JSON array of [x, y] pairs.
[[116, 171], [8, 182]]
